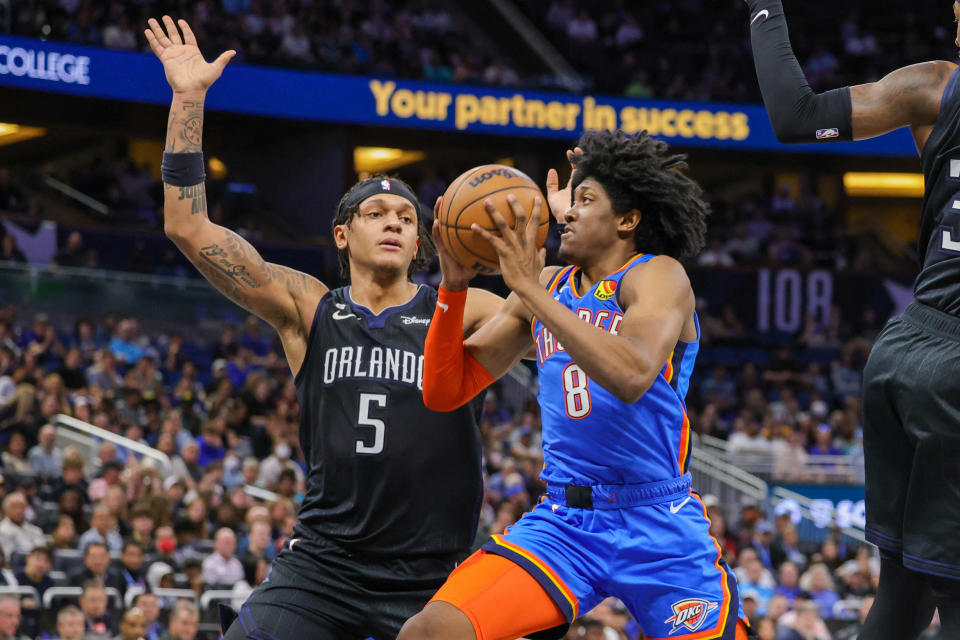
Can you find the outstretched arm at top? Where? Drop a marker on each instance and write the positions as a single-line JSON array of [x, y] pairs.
[[283, 297], [907, 97]]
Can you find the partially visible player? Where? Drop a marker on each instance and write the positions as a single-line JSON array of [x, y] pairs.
[[393, 489], [615, 337], [911, 397]]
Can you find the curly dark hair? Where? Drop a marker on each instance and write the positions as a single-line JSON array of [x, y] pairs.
[[343, 215], [639, 172]]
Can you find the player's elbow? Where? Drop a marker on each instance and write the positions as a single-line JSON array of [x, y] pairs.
[[438, 400], [633, 389]]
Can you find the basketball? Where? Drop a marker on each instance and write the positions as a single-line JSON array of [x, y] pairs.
[[462, 206]]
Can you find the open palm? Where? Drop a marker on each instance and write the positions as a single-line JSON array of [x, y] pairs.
[[183, 64]]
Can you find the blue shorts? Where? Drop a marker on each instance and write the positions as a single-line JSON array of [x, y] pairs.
[[652, 550]]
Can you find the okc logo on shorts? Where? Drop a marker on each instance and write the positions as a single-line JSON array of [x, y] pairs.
[[385, 185], [605, 289], [690, 614]]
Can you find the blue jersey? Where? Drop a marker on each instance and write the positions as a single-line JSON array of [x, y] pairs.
[[589, 436]]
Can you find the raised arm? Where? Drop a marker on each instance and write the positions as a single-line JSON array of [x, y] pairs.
[[907, 97], [283, 297]]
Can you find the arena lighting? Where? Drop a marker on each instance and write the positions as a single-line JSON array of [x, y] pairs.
[[218, 170], [377, 159], [883, 185], [10, 133]]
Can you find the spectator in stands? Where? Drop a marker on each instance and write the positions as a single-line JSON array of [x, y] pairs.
[[133, 625], [821, 589], [752, 575], [762, 543], [803, 623], [102, 530], [71, 371], [9, 618], [184, 620], [823, 442], [72, 503], [46, 459], [148, 603], [70, 255], [64, 535], [96, 568], [788, 585], [111, 470], [103, 374], [124, 344], [142, 525], [16, 534], [36, 571], [766, 629], [70, 623], [221, 567], [131, 567], [96, 614], [14, 455]]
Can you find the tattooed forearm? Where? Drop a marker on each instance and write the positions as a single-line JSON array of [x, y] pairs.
[[185, 126], [223, 261], [198, 196]]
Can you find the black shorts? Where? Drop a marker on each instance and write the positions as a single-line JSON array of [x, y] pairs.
[[319, 591], [911, 440]]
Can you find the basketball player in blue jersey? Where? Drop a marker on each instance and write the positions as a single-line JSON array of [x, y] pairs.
[[911, 404], [370, 546], [615, 336]]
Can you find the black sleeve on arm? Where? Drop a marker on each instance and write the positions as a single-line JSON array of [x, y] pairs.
[[797, 114]]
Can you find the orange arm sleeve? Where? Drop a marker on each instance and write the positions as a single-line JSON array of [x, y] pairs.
[[451, 376]]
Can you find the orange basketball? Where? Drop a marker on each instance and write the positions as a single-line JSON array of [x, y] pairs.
[[462, 206]]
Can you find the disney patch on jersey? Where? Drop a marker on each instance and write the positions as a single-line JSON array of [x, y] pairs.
[[690, 614], [827, 133], [605, 289]]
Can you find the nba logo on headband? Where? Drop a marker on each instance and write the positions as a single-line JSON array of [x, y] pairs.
[[385, 185]]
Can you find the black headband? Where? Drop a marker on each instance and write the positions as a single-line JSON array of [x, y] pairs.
[[375, 186]]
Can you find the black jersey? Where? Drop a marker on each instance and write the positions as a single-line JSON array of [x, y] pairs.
[[938, 284], [386, 475]]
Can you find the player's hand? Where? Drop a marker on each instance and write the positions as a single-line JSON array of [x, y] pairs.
[[183, 64], [520, 260], [560, 199], [456, 277]]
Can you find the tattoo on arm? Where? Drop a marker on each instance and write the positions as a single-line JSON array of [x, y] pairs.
[[234, 267], [198, 195], [185, 128]]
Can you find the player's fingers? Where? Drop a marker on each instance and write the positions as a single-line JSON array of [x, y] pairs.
[[188, 36], [152, 41], [553, 181], [496, 216], [496, 241], [158, 33], [224, 58], [436, 207], [435, 232], [519, 215], [172, 32], [533, 224]]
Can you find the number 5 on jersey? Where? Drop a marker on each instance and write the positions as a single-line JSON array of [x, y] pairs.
[[364, 420], [576, 391]]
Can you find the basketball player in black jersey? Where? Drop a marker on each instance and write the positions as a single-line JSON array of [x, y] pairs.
[[911, 403], [393, 489]]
